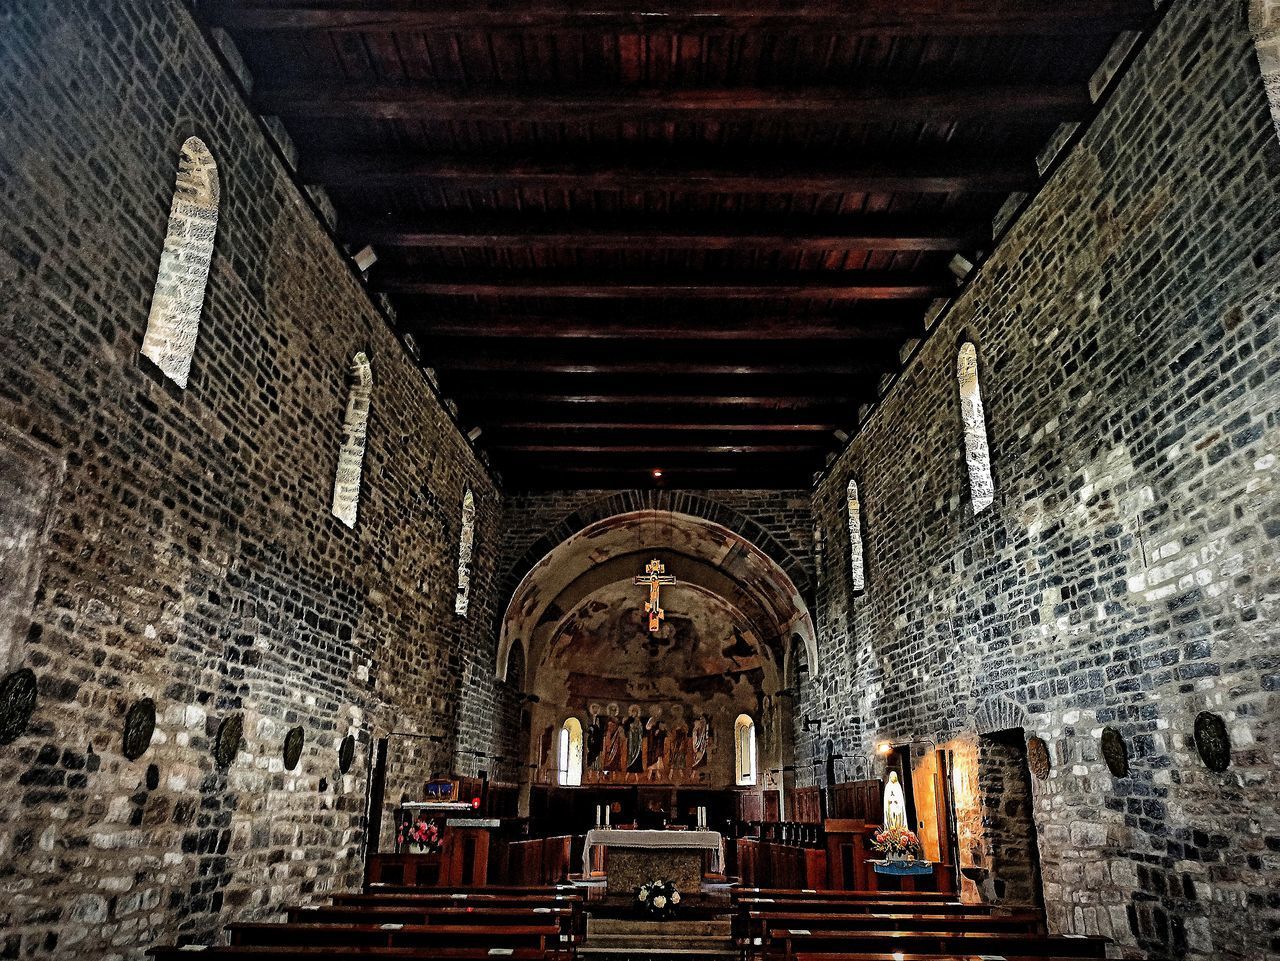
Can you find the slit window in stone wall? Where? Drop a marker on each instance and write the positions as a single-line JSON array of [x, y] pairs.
[[977, 455], [355, 430], [571, 753], [465, 543], [744, 750], [174, 322], [855, 537]]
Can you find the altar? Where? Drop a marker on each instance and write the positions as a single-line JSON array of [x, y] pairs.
[[634, 857]]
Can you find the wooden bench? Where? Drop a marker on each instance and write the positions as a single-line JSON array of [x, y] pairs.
[[870, 907], [813, 944], [820, 894], [529, 902], [566, 918], [543, 937], [315, 952]]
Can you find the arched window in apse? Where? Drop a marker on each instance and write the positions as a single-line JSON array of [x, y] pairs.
[[355, 430], [744, 750], [571, 753], [174, 322], [977, 454]]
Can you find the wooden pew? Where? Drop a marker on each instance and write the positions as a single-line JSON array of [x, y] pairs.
[[565, 917], [318, 952], [869, 907], [818, 894], [419, 899], [814, 944], [541, 938]]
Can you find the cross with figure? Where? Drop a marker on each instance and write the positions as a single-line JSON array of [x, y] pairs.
[[654, 575]]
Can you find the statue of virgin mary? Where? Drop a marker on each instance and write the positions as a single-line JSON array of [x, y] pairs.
[[895, 805]]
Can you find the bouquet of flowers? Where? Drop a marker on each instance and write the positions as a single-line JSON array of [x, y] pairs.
[[658, 898], [424, 835], [897, 844]]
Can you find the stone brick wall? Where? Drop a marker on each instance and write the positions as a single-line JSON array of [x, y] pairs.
[[1126, 573], [178, 544]]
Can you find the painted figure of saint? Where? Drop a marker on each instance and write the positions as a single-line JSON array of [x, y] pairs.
[[676, 751], [595, 737], [613, 752], [895, 805], [634, 726], [701, 739], [655, 736]]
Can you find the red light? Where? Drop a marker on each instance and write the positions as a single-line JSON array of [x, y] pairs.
[[475, 804]]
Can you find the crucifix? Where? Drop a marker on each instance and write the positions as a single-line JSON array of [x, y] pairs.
[[654, 575]]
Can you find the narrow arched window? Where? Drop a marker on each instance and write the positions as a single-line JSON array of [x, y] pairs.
[[744, 750], [571, 753], [465, 542], [976, 453], [355, 428], [855, 537], [174, 322]]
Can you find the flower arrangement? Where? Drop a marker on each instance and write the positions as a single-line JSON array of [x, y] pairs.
[[897, 844], [424, 835], [658, 898]]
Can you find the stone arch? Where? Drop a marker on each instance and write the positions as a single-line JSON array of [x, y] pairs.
[[977, 451], [681, 502], [1264, 25], [355, 428], [723, 564], [174, 322], [999, 714]]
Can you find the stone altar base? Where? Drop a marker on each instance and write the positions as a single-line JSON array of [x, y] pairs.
[[628, 940], [628, 868]]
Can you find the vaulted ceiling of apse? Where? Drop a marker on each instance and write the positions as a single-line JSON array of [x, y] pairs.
[[722, 578], [695, 235]]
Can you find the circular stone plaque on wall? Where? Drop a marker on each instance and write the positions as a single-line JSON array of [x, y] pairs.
[[17, 702], [1038, 757], [139, 726], [346, 753], [1114, 752], [227, 743], [1212, 741], [293, 747]]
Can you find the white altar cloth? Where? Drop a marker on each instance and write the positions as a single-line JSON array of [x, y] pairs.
[[626, 838]]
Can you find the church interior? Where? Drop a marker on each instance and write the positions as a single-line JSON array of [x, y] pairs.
[[773, 480]]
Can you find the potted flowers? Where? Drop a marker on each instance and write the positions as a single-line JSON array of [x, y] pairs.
[[422, 836], [658, 899], [901, 849]]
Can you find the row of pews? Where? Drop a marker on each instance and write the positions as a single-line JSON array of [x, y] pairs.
[[788, 924], [412, 924]]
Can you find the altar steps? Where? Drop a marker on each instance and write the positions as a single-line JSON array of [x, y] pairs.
[[617, 939]]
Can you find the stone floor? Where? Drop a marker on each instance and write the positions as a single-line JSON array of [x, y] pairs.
[[619, 939]]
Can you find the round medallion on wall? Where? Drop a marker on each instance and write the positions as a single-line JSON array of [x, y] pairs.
[[1038, 757], [226, 745], [1114, 752], [293, 747], [17, 703], [139, 726], [346, 753], [1212, 741]]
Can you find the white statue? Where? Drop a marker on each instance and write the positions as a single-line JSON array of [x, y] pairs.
[[895, 805]]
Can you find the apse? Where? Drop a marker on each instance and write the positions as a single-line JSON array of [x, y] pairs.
[[728, 622]]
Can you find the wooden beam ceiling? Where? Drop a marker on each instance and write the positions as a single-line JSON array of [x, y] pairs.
[[687, 234], [889, 18]]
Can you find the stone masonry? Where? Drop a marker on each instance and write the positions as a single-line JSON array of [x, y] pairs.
[[1126, 574], [178, 544]]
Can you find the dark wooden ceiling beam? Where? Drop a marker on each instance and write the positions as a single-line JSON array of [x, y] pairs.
[[935, 175], [1038, 103], [509, 428], [650, 365], [656, 450], [879, 232], [748, 396], [830, 285], [669, 325], [869, 17]]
